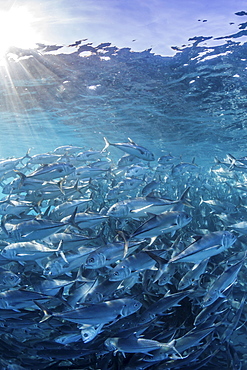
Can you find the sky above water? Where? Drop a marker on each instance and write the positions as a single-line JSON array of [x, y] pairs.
[[139, 24]]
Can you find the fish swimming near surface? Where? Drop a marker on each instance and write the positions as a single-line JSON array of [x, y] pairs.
[[132, 149]]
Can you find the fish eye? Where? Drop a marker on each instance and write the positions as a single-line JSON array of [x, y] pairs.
[[85, 335], [91, 260], [116, 273]]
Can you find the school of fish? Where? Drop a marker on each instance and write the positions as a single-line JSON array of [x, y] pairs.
[[122, 261]]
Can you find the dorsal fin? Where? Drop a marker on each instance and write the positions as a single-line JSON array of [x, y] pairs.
[[131, 141]]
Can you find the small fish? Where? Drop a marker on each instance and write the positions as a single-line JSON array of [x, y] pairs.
[[131, 345], [67, 149], [8, 279], [132, 149], [19, 298], [193, 275], [162, 305], [89, 332], [240, 227]]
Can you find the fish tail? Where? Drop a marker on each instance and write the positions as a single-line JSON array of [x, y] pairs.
[[161, 264], [184, 199], [106, 145], [217, 161], [27, 154], [60, 252], [201, 200], [60, 185], [47, 315], [126, 243], [22, 177], [3, 226], [71, 221]]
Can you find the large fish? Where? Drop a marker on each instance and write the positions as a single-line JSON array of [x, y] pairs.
[[222, 283], [34, 229], [168, 222], [28, 251], [206, 246], [141, 206], [100, 313]]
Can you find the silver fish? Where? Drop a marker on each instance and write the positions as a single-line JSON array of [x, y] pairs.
[[222, 283], [132, 149], [206, 246], [100, 313], [164, 223]]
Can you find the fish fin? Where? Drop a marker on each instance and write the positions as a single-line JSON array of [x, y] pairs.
[[231, 157], [106, 145], [47, 315], [22, 176], [131, 141], [60, 252], [196, 238], [3, 225], [47, 211], [150, 214], [152, 240], [60, 185], [59, 295], [21, 263], [126, 242], [161, 263], [71, 221]]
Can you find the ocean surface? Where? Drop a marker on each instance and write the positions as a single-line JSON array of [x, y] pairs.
[[192, 104], [190, 110]]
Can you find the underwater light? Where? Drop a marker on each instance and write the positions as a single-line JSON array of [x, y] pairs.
[[16, 29]]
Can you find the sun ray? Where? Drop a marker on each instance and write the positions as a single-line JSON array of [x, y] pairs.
[[17, 29]]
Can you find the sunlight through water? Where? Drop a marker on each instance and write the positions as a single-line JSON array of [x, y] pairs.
[[16, 29]]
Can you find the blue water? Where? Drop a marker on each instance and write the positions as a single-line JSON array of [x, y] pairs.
[[192, 105]]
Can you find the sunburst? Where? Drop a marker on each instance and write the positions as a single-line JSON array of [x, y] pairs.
[[17, 29]]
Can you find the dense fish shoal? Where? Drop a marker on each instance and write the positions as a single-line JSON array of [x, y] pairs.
[[136, 263]]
